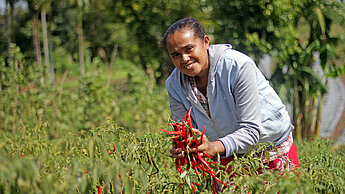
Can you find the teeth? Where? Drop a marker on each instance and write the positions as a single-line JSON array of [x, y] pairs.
[[188, 66]]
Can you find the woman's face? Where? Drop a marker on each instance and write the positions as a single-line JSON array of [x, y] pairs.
[[189, 53]]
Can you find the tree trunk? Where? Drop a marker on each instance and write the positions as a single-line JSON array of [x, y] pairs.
[[81, 54], [80, 41], [45, 41], [37, 45], [50, 40], [8, 12], [305, 103], [297, 115], [318, 117], [81, 50], [113, 56]]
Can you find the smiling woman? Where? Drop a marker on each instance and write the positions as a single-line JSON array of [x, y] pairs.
[[229, 95], [189, 55]]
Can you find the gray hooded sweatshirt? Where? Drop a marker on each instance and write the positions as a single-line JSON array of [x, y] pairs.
[[244, 108]]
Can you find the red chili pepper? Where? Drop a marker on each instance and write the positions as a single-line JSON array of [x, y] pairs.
[[123, 191], [205, 154], [202, 134], [189, 120], [99, 189], [193, 189], [203, 161], [196, 170], [196, 166], [182, 183], [172, 132], [184, 138], [214, 187], [217, 179], [178, 166]]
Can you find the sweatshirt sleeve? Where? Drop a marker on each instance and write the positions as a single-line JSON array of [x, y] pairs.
[[177, 109], [248, 113]]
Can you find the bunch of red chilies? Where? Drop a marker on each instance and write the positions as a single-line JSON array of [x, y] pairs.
[[184, 138]]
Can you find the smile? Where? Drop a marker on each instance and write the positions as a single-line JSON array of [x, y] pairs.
[[189, 66]]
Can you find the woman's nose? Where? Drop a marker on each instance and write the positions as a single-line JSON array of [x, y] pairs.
[[185, 58]]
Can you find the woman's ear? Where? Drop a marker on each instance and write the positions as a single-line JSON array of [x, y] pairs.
[[206, 41]]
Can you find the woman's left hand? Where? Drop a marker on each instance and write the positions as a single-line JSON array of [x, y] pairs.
[[211, 148]]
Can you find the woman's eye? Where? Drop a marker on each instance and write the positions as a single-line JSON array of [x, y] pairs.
[[174, 55]]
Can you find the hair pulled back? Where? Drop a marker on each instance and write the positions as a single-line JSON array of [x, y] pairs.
[[189, 23]]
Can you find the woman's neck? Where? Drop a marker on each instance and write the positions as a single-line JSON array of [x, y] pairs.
[[201, 81]]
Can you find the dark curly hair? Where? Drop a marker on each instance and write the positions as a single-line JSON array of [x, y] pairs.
[[190, 23]]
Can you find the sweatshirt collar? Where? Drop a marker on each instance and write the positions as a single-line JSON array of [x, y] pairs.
[[215, 52]]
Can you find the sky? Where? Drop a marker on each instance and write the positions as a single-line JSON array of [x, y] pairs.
[[2, 5]]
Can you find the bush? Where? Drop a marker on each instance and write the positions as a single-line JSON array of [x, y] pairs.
[[102, 132], [115, 159]]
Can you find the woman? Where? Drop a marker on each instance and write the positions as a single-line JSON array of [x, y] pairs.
[[229, 96]]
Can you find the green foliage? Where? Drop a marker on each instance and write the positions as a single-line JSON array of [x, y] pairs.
[[54, 139], [83, 104], [256, 27], [75, 161], [146, 21], [141, 103], [64, 62], [294, 76], [259, 27], [58, 139], [322, 166], [78, 163]]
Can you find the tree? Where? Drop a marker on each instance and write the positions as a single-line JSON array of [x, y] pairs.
[[147, 21], [308, 87], [9, 17], [44, 6], [81, 5], [34, 7], [259, 27], [255, 27]]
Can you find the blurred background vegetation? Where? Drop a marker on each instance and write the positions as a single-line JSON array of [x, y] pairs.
[[78, 77], [111, 49]]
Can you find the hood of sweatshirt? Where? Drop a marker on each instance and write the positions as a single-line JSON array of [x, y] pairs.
[[214, 53]]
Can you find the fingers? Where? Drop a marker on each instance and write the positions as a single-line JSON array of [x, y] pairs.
[[201, 148], [174, 145], [196, 131], [176, 152]]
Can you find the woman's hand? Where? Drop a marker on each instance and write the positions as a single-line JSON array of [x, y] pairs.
[[211, 148], [176, 152]]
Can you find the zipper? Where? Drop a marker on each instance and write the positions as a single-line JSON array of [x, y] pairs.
[[198, 106], [209, 107], [201, 109]]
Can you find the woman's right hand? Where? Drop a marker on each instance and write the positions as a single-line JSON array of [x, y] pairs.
[[176, 152], [211, 148]]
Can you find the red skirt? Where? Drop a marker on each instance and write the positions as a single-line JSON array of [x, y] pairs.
[[288, 161]]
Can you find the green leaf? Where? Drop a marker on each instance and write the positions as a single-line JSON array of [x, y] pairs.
[[183, 174], [321, 20]]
